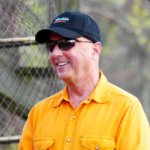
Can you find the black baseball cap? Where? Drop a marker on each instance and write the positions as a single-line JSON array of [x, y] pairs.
[[71, 24]]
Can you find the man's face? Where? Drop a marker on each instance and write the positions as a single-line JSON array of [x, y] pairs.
[[74, 63]]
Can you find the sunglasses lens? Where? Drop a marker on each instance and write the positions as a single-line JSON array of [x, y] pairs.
[[50, 46], [66, 45], [63, 45]]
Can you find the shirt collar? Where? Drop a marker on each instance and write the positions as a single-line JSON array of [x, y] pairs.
[[63, 96], [99, 95]]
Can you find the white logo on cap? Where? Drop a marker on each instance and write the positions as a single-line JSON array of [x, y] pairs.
[[63, 19]]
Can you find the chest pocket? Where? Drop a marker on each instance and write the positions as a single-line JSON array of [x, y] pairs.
[[44, 144], [97, 143]]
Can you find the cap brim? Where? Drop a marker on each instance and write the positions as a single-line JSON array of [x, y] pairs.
[[43, 35]]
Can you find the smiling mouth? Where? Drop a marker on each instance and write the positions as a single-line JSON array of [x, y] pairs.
[[62, 63]]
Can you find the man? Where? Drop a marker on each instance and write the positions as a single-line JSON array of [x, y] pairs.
[[89, 113]]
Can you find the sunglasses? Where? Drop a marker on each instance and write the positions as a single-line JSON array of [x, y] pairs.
[[63, 44]]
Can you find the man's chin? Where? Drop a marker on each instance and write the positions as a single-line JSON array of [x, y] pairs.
[[63, 76]]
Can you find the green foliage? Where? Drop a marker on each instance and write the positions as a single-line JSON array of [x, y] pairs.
[[118, 2], [36, 8], [110, 39], [62, 5], [139, 20], [9, 146]]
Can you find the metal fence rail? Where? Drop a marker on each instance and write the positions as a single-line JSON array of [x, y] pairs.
[[9, 139]]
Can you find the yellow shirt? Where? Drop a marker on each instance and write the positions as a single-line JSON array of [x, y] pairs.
[[110, 119]]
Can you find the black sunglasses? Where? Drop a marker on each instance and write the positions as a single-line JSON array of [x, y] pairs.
[[63, 44]]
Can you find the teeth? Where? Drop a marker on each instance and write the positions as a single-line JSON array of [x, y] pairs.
[[62, 63]]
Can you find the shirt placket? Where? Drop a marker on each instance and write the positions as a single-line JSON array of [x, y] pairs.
[[70, 130]]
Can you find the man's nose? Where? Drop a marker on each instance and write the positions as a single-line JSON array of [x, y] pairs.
[[56, 51]]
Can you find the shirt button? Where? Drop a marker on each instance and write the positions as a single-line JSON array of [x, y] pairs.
[[74, 117], [96, 148], [68, 139]]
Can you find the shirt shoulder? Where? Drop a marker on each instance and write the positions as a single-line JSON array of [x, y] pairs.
[[119, 95], [49, 101]]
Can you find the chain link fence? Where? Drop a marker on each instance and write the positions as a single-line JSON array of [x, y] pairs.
[[25, 74]]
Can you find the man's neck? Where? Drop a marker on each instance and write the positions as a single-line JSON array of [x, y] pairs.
[[81, 90]]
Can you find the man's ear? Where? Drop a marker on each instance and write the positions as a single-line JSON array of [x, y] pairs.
[[97, 48]]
